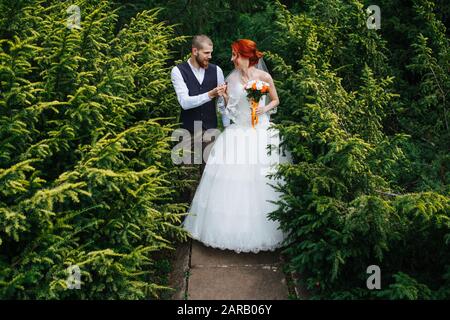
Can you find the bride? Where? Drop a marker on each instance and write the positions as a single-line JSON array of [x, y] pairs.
[[231, 205]]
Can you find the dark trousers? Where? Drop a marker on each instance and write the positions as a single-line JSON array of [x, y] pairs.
[[196, 155]]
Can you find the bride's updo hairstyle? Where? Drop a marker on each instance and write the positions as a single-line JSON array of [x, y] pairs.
[[247, 49]]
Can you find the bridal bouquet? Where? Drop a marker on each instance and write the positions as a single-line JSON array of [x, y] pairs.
[[255, 90]]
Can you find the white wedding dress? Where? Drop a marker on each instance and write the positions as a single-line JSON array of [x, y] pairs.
[[230, 207]]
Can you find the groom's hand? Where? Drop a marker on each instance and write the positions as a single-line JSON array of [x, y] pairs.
[[222, 89], [214, 93], [217, 91]]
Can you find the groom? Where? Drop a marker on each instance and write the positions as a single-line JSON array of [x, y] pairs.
[[197, 84]]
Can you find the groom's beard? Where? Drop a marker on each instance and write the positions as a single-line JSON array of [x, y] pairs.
[[202, 63]]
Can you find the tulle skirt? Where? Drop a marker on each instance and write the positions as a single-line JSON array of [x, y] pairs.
[[231, 205]]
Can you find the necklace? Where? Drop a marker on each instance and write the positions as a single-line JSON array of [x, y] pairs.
[[245, 79]]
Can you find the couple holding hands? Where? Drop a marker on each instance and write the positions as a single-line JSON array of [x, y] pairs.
[[235, 195]]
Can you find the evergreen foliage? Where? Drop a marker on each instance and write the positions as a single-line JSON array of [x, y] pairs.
[[86, 176], [85, 167], [346, 203]]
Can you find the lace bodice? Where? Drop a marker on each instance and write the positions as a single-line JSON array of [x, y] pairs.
[[238, 108]]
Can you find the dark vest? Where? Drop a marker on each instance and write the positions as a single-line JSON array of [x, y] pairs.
[[206, 112]]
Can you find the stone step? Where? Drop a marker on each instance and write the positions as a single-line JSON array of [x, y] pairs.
[[217, 274], [208, 256], [237, 283]]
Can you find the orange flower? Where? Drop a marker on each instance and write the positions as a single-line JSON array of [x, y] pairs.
[[264, 89], [254, 86]]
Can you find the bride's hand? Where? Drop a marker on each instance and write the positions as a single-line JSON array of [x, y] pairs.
[[223, 92], [261, 110], [225, 96]]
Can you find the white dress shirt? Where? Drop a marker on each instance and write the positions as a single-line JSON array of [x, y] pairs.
[[182, 91]]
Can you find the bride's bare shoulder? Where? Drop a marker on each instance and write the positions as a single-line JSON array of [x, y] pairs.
[[264, 76]]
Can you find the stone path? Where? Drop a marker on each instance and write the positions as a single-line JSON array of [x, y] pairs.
[[202, 272]]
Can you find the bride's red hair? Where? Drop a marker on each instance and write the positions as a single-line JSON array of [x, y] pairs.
[[247, 49]]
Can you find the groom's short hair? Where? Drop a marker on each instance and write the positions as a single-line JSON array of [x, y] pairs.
[[199, 40]]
